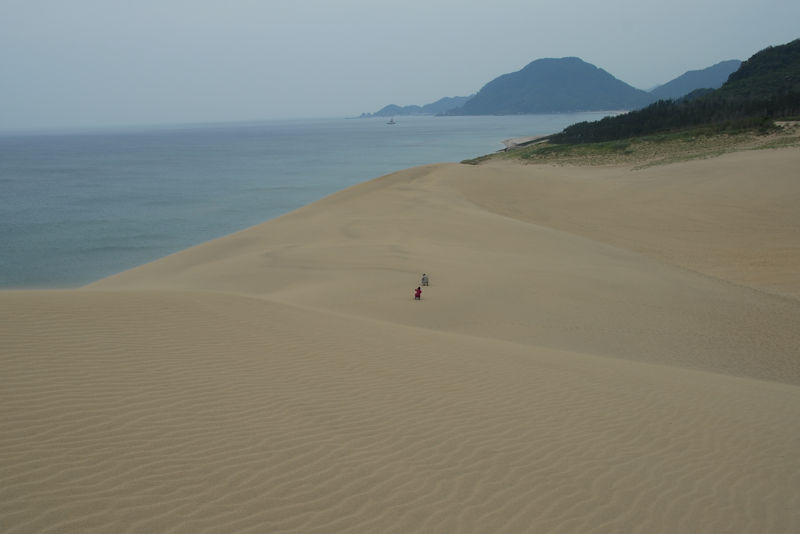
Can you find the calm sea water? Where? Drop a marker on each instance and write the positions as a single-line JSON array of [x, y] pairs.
[[76, 207]]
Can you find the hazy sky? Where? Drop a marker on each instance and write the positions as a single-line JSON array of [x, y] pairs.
[[75, 63]]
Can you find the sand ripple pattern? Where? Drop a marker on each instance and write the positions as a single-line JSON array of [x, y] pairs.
[[209, 413]]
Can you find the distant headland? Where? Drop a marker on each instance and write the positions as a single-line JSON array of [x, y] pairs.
[[562, 85]]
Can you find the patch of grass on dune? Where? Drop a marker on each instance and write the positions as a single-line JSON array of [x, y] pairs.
[[654, 149]]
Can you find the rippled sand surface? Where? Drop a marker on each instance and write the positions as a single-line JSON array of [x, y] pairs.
[[600, 350]]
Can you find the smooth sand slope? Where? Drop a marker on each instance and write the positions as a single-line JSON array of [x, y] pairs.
[[600, 350]]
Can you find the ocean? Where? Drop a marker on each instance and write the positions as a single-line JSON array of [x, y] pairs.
[[78, 206]]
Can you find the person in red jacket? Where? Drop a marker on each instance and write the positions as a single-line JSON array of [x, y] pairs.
[[418, 293]]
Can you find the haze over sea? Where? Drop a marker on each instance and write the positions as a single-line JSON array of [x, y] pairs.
[[79, 206]]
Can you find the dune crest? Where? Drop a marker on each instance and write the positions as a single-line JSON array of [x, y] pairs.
[[604, 261]]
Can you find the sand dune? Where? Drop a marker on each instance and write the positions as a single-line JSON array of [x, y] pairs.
[[600, 350], [541, 255]]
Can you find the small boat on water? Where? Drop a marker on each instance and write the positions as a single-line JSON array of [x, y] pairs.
[[391, 121]]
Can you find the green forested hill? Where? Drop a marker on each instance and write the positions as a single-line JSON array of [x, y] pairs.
[[772, 71], [765, 87]]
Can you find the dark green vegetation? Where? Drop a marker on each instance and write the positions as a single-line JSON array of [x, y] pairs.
[[766, 87]]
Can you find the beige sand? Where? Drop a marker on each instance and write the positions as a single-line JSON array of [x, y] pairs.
[[600, 350]]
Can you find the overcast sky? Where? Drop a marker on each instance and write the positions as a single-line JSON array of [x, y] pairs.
[[75, 63]]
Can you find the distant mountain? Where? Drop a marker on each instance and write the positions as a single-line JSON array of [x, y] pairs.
[[443, 105], [554, 86], [436, 108], [709, 78], [393, 110], [564, 85]]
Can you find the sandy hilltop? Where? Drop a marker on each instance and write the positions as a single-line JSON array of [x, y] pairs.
[[601, 349]]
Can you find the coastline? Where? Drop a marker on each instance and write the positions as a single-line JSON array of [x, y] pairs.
[[600, 348], [81, 207]]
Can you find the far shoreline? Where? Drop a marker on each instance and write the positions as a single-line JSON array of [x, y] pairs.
[[650, 154]]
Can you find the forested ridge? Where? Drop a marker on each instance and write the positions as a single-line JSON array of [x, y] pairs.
[[764, 88]]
